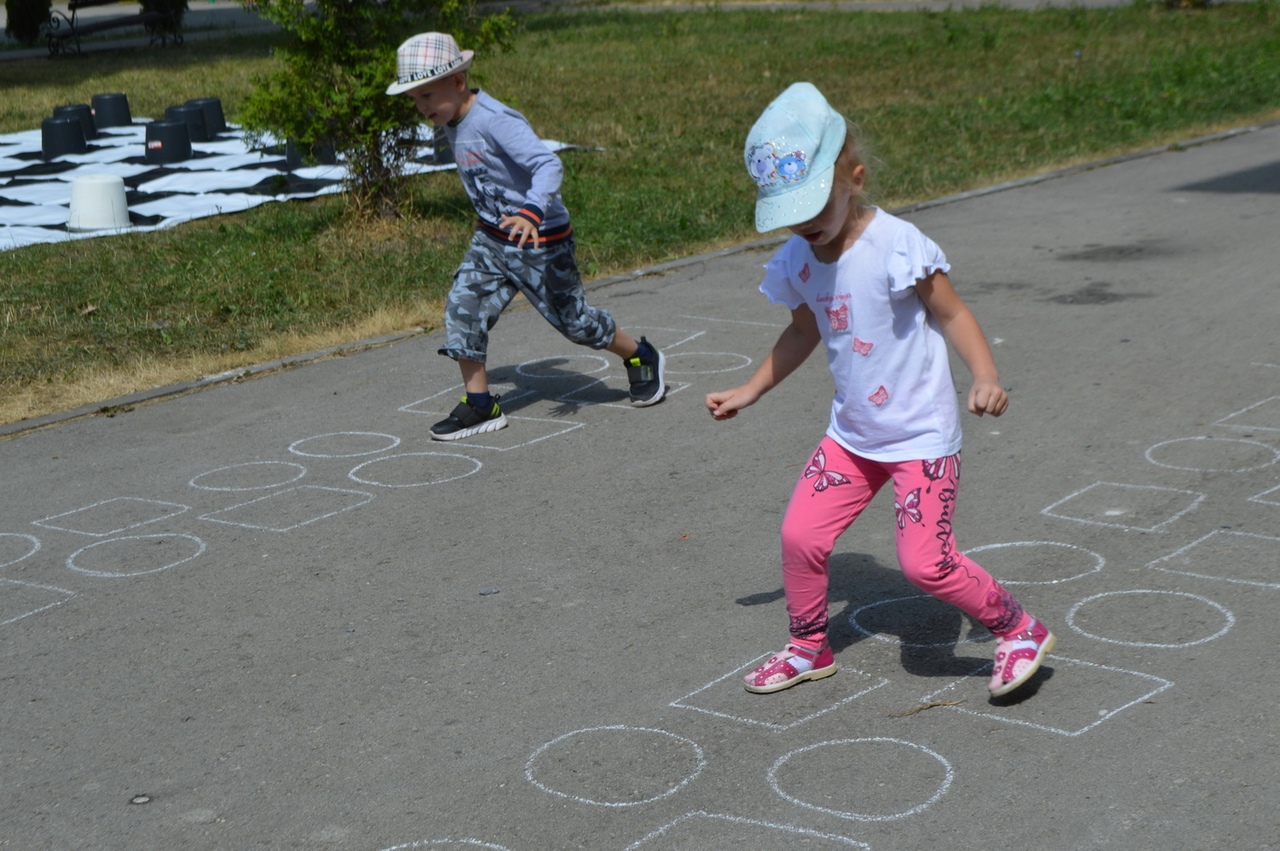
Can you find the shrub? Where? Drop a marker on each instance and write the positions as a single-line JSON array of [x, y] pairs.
[[24, 19], [330, 89]]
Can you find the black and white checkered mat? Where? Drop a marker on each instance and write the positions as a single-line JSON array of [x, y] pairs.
[[222, 176]]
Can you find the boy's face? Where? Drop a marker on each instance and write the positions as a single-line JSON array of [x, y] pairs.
[[442, 101]]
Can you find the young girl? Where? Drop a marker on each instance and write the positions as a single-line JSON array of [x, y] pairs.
[[875, 291]]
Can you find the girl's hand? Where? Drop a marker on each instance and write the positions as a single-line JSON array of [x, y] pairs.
[[521, 230], [725, 404], [988, 397]]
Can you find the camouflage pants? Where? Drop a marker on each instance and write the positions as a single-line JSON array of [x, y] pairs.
[[491, 274]]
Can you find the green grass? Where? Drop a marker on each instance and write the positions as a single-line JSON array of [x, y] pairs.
[[952, 101]]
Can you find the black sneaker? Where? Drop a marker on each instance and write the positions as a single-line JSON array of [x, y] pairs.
[[647, 386], [464, 421]]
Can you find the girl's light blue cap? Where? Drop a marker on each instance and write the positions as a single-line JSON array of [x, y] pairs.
[[791, 155]]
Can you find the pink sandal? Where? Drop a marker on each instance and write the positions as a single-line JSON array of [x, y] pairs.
[[778, 673], [1018, 657]]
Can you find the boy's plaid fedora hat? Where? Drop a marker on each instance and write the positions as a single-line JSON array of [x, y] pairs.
[[427, 57]]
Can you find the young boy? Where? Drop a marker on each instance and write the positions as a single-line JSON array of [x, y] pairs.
[[523, 240]]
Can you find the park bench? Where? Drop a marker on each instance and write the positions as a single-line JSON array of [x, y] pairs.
[[66, 30]]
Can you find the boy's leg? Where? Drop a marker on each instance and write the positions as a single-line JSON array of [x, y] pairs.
[[550, 279], [475, 378], [481, 291], [479, 295]]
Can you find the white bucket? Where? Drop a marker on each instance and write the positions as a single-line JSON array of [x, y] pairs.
[[97, 203]]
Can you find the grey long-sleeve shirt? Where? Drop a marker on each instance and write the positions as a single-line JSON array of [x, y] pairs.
[[505, 168]]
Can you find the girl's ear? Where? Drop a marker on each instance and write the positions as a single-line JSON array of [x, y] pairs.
[[859, 178]]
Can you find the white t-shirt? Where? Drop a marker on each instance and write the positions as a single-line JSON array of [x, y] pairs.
[[895, 399]]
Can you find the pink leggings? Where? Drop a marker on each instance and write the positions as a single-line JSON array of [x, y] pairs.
[[834, 489]]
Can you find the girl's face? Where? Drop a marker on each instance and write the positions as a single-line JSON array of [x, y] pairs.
[[835, 229], [444, 100]]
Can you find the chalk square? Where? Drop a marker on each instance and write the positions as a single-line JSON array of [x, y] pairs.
[[520, 431], [1137, 508], [24, 599], [599, 392], [1093, 694], [726, 698], [1260, 416], [112, 516], [710, 831], [435, 406], [1241, 558], [290, 509], [1268, 497]]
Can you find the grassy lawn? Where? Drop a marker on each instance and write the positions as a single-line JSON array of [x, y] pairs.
[[951, 101]]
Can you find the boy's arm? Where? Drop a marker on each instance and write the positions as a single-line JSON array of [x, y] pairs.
[[961, 328], [796, 343], [517, 140]]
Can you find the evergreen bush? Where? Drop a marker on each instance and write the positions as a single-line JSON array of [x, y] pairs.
[[330, 88]]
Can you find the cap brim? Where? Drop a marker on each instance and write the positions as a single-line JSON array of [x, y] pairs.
[[401, 88], [797, 205]]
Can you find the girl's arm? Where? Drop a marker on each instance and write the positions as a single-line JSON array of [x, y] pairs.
[[987, 396], [796, 343]]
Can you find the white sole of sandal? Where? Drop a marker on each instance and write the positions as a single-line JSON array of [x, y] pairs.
[[815, 674]]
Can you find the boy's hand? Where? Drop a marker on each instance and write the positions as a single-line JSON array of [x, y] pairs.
[[522, 230], [988, 397]]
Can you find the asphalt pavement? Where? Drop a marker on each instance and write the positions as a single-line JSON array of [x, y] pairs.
[[273, 613]]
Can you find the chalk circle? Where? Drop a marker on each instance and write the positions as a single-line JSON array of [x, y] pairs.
[[118, 558], [704, 363], [1216, 454], [12, 542], [415, 469], [1052, 556], [250, 476], [345, 444], [1175, 620], [447, 843], [615, 766], [890, 772], [915, 613], [549, 367]]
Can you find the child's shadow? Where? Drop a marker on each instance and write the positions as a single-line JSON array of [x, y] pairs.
[[548, 379], [886, 607]]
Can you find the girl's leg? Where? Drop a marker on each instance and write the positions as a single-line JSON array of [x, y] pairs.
[[834, 488], [925, 502]]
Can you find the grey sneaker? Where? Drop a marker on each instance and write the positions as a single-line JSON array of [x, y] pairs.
[[464, 421]]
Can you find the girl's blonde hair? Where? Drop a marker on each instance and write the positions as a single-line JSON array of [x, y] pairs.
[[855, 152]]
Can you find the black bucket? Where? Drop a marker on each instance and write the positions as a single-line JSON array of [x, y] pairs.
[[194, 118], [111, 110], [214, 121], [82, 113], [168, 142], [61, 135]]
